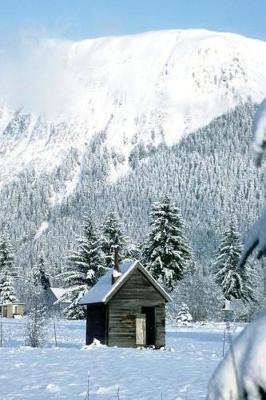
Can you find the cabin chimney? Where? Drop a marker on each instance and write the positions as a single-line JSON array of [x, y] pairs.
[[116, 272]]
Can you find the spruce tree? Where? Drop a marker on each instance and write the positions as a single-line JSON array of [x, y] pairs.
[[41, 281], [133, 251], [8, 294], [40, 274], [86, 266], [235, 283], [7, 291], [166, 253], [36, 326], [37, 313], [183, 315], [6, 255], [111, 232]]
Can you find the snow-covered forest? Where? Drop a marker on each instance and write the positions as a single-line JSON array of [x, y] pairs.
[[193, 172], [209, 175]]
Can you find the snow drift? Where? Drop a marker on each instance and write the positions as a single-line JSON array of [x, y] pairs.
[[243, 370]]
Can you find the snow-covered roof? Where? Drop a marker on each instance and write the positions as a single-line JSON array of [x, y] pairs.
[[58, 292], [104, 290]]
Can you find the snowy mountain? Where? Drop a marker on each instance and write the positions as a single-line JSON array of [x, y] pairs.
[[102, 125], [148, 88]]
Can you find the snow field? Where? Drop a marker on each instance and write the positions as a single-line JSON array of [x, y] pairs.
[[181, 372]]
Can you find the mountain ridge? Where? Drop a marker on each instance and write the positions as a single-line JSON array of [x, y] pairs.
[[148, 89]]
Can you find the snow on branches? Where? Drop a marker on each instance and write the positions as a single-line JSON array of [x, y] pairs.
[[234, 282], [7, 290], [166, 251]]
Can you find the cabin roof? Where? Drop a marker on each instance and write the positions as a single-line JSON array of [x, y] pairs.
[[58, 292], [104, 290]]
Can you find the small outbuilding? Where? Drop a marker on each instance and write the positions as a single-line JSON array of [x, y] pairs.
[[55, 299], [126, 308], [12, 310]]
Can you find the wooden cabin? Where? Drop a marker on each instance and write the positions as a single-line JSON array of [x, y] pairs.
[[54, 298], [12, 310], [126, 308]]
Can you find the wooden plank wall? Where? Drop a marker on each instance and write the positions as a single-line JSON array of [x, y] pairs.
[[137, 292], [160, 325]]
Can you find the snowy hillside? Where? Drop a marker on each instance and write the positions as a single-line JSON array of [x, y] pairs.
[[153, 87]]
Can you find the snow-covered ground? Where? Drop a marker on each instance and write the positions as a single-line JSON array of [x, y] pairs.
[[180, 372]]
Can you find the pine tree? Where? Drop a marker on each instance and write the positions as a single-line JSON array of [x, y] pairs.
[[235, 283], [40, 281], [183, 315], [6, 255], [7, 291], [33, 293], [111, 232], [8, 294], [133, 251], [166, 252], [41, 275], [37, 317], [86, 266], [36, 326], [248, 279]]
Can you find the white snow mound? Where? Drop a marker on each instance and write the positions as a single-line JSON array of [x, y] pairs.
[[243, 370]]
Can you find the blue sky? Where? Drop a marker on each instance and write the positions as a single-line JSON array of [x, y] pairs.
[[79, 19]]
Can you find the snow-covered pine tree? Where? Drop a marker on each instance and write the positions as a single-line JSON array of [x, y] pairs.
[[133, 251], [6, 255], [44, 277], [40, 280], [7, 291], [40, 273], [166, 253], [183, 315], [235, 283], [37, 317], [86, 265], [36, 326], [112, 231], [32, 293], [248, 276]]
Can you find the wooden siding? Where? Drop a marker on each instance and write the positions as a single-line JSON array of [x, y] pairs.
[[127, 303], [160, 325]]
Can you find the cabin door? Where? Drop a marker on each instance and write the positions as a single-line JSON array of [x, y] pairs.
[[150, 325], [141, 330]]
